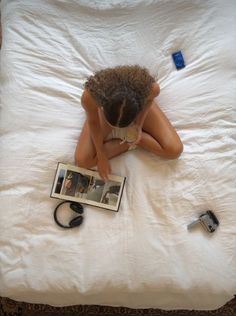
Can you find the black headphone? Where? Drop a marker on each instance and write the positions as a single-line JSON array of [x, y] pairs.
[[76, 207]]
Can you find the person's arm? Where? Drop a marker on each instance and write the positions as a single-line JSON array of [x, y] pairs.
[[142, 115], [91, 108]]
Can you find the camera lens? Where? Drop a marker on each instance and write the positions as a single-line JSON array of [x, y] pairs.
[[211, 229]]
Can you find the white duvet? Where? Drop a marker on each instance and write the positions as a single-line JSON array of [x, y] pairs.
[[142, 256]]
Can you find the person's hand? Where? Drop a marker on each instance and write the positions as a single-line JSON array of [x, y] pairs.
[[104, 168]]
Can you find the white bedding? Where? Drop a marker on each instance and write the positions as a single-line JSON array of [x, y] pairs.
[[142, 256]]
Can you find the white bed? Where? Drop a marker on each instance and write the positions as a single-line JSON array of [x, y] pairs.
[[142, 256]]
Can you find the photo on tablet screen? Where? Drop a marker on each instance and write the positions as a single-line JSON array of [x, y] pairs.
[[86, 186]]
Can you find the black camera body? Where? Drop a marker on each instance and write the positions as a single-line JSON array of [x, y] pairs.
[[208, 220]]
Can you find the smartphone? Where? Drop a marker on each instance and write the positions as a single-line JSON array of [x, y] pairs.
[[178, 60]]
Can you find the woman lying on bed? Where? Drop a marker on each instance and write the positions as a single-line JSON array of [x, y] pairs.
[[122, 114]]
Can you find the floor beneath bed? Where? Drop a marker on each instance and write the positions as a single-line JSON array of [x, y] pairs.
[[9, 307]]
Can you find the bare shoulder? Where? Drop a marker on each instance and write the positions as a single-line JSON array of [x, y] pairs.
[[155, 91], [88, 102]]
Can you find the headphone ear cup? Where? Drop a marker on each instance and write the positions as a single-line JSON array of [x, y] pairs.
[[76, 221], [77, 207]]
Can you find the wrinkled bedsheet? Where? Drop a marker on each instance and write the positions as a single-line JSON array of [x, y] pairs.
[[142, 256]]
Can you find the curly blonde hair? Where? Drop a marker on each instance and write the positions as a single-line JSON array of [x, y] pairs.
[[122, 91]]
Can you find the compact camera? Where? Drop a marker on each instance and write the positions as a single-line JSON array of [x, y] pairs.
[[208, 220]]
